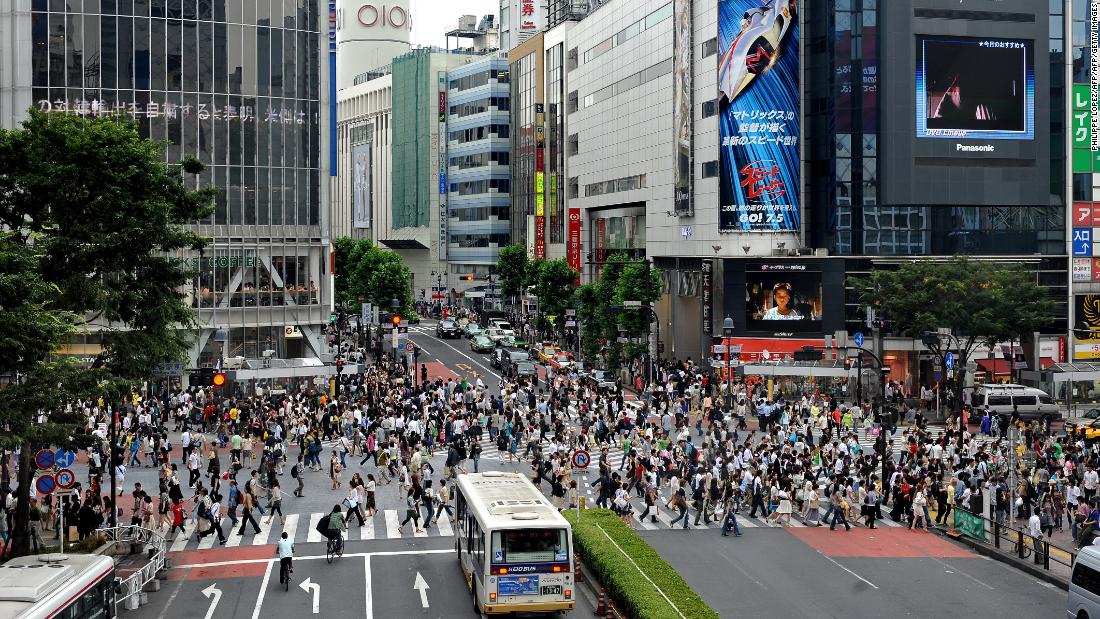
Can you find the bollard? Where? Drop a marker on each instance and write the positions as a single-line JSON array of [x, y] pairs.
[[152, 585], [132, 603], [601, 603], [143, 598], [577, 575]]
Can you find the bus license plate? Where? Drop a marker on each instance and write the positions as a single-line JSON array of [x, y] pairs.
[[550, 590]]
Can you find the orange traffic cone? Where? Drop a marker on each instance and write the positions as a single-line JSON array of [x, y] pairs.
[[611, 614], [601, 604], [577, 575]]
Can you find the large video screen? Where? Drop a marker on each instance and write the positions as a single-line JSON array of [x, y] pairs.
[[783, 297], [973, 88]]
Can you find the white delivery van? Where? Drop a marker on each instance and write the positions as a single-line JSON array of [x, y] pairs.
[[1031, 403], [1084, 586]]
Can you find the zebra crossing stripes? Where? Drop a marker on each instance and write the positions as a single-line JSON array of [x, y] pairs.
[[312, 534]]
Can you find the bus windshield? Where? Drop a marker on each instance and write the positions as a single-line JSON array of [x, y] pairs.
[[529, 546]]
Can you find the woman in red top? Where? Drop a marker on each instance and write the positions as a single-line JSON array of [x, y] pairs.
[[177, 519]]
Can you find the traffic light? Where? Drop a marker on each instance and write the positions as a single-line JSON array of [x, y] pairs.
[[467, 278], [396, 319], [217, 379]]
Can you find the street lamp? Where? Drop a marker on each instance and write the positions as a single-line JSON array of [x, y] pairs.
[[727, 331]]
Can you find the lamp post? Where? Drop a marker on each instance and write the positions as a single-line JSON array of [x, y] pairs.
[[727, 331], [395, 306]]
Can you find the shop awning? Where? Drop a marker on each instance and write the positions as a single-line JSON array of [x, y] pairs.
[[1000, 367]]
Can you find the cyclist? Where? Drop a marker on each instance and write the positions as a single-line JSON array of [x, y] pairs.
[[336, 526], [284, 549]]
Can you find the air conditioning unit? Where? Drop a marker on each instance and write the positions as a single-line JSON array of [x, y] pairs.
[[821, 252], [779, 252], [805, 251]]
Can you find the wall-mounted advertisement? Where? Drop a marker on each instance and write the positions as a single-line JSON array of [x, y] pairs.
[[361, 169], [1086, 326], [975, 88], [682, 115], [783, 297], [759, 115]]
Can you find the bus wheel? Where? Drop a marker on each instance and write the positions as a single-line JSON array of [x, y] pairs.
[[477, 609]]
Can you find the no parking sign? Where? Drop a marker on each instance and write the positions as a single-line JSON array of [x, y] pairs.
[[44, 459], [45, 484], [581, 459]]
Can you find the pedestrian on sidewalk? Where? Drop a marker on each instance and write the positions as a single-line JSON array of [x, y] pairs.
[[246, 514]]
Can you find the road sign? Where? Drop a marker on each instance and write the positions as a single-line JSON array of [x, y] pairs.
[[44, 459], [936, 376], [858, 339], [581, 459], [410, 347], [632, 303], [949, 360], [367, 314], [65, 478], [45, 484], [64, 458], [168, 369]]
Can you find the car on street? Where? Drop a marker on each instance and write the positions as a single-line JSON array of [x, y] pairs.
[[510, 358], [498, 335], [562, 361], [546, 353], [446, 329], [1084, 420], [525, 369], [600, 379], [497, 323], [473, 330], [481, 343]]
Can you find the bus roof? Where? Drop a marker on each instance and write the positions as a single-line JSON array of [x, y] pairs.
[[27, 581], [508, 500]]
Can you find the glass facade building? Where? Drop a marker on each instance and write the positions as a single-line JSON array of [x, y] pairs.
[[238, 84]]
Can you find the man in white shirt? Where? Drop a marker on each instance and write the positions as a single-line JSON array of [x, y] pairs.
[[1091, 480]]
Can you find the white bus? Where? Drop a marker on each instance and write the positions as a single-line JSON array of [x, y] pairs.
[[51, 587], [514, 547]]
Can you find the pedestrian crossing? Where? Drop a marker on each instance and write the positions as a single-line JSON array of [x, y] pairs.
[[302, 528]]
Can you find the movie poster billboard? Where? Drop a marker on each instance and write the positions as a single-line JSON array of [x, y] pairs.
[[682, 115], [759, 116], [361, 170], [784, 297]]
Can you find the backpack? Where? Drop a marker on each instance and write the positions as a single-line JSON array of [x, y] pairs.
[[294, 471], [322, 524]]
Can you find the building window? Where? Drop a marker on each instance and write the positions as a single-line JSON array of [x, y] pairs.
[[710, 47], [616, 185], [710, 108], [710, 169], [631, 31], [574, 144]]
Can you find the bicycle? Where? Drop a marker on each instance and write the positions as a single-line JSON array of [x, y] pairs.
[[284, 575], [333, 549], [1026, 551]]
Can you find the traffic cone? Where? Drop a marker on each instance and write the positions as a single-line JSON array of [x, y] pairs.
[[601, 604], [577, 575], [611, 614]]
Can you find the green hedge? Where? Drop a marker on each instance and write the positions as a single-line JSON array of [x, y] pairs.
[[633, 594]]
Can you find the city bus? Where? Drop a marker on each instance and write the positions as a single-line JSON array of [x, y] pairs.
[[514, 547], [55, 586]]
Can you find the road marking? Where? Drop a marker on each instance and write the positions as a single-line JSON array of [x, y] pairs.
[[207, 542], [423, 532], [472, 360], [260, 538], [419, 584], [263, 588], [958, 571], [182, 536], [291, 525], [233, 540], [306, 585], [392, 524], [444, 525], [367, 530], [215, 594], [172, 597], [463, 367], [834, 562], [380, 553], [368, 588], [312, 534]]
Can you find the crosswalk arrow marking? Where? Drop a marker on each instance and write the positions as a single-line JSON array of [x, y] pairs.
[[422, 586], [306, 586], [212, 592]]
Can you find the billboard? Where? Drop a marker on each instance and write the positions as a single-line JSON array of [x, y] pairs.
[[361, 169], [759, 115], [783, 297], [682, 115], [975, 88], [1086, 326]]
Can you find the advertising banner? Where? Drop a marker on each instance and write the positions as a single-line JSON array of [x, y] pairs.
[[1086, 326], [759, 115], [783, 297], [969, 525], [682, 115], [442, 77], [361, 169], [573, 240]]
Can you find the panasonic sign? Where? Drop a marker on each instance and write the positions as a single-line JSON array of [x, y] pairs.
[[982, 148]]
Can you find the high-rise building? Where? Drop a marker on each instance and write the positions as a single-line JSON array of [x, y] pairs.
[[369, 34], [242, 85]]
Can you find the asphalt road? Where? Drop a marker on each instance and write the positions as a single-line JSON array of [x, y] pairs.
[[861, 573]]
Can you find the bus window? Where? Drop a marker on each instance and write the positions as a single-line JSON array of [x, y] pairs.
[[530, 546], [1024, 400], [999, 400]]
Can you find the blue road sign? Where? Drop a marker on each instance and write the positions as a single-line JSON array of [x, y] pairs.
[[859, 339], [64, 459], [1082, 241], [949, 360]]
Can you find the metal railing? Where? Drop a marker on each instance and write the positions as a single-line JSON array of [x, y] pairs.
[[152, 542], [1025, 546]]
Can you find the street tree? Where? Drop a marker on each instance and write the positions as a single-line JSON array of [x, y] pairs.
[[92, 214], [363, 271], [554, 288], [637, 282], [978, 302], [511, 269]]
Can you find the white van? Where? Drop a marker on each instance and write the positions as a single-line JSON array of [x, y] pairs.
[[1084, 586], [1030, 402]]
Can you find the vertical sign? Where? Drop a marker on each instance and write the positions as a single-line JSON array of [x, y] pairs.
[[332, 87], [528, 17], [682, 115], [759, 116], [707, 292], [573, 240], [442, 165], [540, 183], [361, 170]]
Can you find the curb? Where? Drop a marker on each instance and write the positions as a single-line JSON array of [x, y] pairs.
[[992, 553]]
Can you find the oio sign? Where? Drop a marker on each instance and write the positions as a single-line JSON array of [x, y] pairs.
[[372, 15]]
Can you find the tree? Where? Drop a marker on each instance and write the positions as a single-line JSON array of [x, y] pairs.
[[980, 302], [590, 316], [554, 288], [94, 247], [363, 271], [637, 282], [342, 249], [512, 270]]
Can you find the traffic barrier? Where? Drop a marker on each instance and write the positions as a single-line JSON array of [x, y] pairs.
[[577, 575], [601, 604]]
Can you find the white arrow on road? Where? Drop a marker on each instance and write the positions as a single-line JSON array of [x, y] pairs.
[[306, 586], [422, 586], [214, 592]]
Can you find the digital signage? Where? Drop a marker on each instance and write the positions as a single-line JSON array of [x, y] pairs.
[[759, 116], [783, 297], [975, 88]]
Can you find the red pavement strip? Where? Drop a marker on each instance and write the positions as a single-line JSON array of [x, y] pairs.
[[879, 543], [218, 555]]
